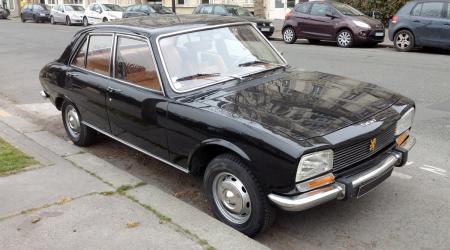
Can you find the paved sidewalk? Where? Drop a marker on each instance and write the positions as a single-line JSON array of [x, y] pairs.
[[278, 23], [73, 199]]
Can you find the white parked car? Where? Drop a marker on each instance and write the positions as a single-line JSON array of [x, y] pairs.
[[97, 13], [67, 13]]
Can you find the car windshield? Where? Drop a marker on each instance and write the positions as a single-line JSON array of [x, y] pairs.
[[112, 7], [42, 7], [347, 10], [74, 8], [161, 9], [238, 11], [201, 58]]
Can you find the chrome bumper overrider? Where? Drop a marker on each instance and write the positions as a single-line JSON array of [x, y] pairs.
[[338, 190]]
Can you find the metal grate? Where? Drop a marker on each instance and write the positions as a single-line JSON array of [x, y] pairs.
[[349, 155]]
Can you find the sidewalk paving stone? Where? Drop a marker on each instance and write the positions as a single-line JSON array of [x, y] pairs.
[[92, 222], [54, 143]]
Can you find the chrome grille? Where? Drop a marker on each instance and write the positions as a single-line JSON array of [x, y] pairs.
[[346, 156]]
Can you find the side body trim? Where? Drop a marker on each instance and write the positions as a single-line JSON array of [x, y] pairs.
[[137, 148]]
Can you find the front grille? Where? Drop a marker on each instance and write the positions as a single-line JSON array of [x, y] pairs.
[[349, 155]]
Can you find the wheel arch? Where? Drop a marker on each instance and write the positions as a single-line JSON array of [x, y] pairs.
[[207, 150], [404, 28], [341, 29]]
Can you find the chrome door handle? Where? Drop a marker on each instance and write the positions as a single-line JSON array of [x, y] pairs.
[[113, 90]]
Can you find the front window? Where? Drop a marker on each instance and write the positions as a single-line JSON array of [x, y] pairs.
[[347, 10], [238, 11], [201, 58], [112, 7]]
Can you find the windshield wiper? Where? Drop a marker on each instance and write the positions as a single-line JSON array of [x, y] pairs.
[[196, 76], [246, 64]]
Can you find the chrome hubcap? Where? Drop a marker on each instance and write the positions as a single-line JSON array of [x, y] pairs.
[[72, 121], [288, 35], [232, 198], [403, 41], [344, 38]]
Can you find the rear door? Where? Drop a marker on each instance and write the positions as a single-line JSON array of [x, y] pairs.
[[135, 101], [427, 21], [301, 18], [320, 26], [88, 79]]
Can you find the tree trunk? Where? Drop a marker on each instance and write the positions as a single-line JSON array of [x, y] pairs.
[[259, 8]]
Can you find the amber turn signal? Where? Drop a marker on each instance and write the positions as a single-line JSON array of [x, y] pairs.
[[402, 137], [316, 183]]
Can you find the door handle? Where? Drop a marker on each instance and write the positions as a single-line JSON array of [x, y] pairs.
[[113, 90], [447, 24], [416, 21]]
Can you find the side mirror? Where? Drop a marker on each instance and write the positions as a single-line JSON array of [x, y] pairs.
[[330, 14]]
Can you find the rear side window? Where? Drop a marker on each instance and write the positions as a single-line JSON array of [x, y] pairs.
[[99, 54], [319, 9], [428, 9], [302, 8], [134, 63], [80, 59]]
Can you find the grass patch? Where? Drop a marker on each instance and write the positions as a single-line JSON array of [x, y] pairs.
[[11, 159]]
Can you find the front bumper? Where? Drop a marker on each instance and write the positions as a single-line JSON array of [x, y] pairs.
[[348, 186], [365, 36], [266, 30]]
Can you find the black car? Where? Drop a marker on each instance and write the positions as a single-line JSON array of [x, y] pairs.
[[36, 12], [421, 23], [210, 96], [4, 13], [146, 10], [265, 26]]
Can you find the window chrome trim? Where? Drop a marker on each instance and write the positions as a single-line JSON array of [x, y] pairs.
[[142, 39], [185, 170], [209, 28]]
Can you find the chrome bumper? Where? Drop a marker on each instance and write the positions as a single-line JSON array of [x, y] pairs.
[[341, 188]]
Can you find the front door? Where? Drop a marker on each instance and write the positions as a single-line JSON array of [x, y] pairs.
[[427, 20], [88, 79], [320, 26], [135, 102]]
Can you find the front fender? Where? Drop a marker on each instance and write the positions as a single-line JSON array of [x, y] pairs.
[[219, 142]]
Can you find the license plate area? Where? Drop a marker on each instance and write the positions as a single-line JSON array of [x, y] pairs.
[[265, 29], [368, 186], [379, 33]]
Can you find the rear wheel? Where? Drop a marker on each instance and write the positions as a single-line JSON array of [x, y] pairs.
[[404, 41], [79, 133], [235, 195], [68, 21], [289, 35], [344, 38]]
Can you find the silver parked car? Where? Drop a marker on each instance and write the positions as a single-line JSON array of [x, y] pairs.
[[67, 13]]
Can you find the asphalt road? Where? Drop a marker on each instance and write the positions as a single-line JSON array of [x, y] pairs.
[[408, 211]]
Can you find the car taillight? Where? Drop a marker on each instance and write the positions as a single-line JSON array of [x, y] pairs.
[[394, 19], [289, 14]]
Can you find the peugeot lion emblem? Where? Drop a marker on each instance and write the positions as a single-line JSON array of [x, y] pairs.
[[373, 144]]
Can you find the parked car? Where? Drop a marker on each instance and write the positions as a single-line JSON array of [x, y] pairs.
[[98, 12], [265, 26], [67, 13], [210, 96], [146, 10], [331, 21], [4, 13], [36, 12], [421, 23]]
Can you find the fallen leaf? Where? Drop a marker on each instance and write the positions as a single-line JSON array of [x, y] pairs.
[[35, 220], [63, 200], [132, 224]]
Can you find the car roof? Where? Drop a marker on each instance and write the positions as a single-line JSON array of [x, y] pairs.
[[164, 24]]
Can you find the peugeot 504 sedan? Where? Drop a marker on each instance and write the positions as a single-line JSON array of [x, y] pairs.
[[210, 96]]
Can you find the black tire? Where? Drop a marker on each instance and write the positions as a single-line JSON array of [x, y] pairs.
[[344, 38], [289, 35], [68, 21], [86, 134], [105, 19], [52, 20], [313, 41], [404, 41], [262, 213], [22, 19], [35, 19], [85, 21]]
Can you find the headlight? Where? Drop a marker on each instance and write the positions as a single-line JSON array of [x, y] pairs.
[[42, 14], [405, 121], [313, 164], [271, 24], [361, 24]]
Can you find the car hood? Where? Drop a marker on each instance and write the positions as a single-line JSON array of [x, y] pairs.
[[374, 23], [301, 104], [254, 19]]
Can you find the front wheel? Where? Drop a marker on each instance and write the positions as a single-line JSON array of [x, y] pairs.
[[68, 21], [22, 18], [235, 195], [79, 133], [289, 35], [404, 41], [345, 39]]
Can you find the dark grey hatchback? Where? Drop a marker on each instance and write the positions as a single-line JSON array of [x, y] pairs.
[[421, 23]]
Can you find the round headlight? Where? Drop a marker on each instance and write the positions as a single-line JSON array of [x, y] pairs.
[[313, 164], [405, 121]]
